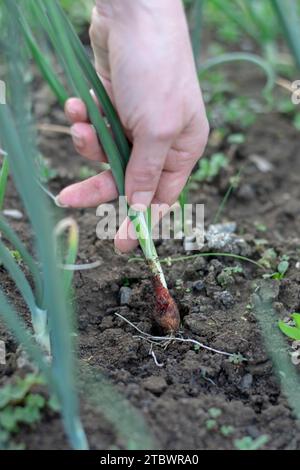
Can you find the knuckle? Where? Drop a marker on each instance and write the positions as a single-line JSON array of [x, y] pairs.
[[147, 175], [163, 132]]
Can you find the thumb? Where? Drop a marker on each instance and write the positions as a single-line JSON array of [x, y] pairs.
[[144, 170]]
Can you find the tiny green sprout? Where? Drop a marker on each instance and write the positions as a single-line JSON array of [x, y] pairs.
[[234, 270], [237, 359], [226, 277], [17, 256], [210, 168], [292, 332], [226, 431], [248, 443], [211, 424], [260, 227], [236, 139], [214, 412], [282, 269]]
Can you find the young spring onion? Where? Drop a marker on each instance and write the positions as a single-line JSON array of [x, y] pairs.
[[82, 77]]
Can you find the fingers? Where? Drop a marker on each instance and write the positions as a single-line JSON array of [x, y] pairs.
[[90, 193], [76, 111], [86, 142], [144, 170]]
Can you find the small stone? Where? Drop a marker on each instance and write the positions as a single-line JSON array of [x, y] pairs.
[[246, 382], [155, 384], [125, 295], [198, 286], [221, 237], [225, 298]]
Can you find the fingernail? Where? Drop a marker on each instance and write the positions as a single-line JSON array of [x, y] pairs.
[[141, 200], [59, 204], [77, 138]]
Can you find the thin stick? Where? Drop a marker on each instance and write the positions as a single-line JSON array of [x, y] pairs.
[[53, 128], [286, 84]]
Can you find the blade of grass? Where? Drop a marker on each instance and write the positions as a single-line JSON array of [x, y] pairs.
[[72, 248], [12, 237], [38, 316], [232, 187], [44, 65], [3, 180], [242, 56], [205, 255], [288, 17], [234, 14]]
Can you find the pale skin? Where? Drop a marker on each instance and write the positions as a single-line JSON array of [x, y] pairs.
[[144, 58]]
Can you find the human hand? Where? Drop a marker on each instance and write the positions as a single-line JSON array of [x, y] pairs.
[[144, 59]]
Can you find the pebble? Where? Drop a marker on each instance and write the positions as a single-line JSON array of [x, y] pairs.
[[198, 286], [155, 384], [225, 297], [221, 237], [246, 382], [125, 295]]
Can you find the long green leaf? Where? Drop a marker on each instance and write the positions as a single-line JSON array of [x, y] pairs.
[[17, 275], [44, 65], [3, 180], [17, 138], [287, 13], [9, 233], [244, 57]]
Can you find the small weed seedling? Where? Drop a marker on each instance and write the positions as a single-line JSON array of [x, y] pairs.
[[292, 332], [226, 277], [210, 168], [282, 269], [248, 443], [21, 403], [213, 425]]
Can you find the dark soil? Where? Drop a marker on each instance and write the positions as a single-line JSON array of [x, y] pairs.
[[176, 399]]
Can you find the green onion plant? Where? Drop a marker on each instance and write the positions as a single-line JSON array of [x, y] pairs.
[[51, 345], [81, 77]]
